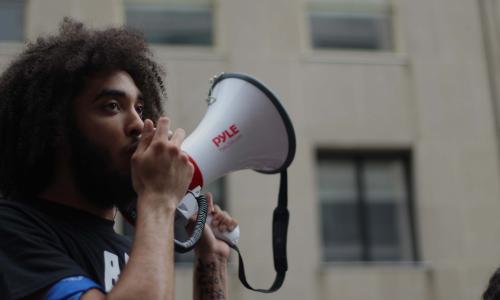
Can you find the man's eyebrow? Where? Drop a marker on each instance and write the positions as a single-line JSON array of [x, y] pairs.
[[107, 93]]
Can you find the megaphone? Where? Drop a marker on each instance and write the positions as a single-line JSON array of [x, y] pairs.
[[245, 127]]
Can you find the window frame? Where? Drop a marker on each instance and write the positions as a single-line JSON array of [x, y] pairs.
[[360, 157], [395, 56], [341, 8], [172, 7], [23, 6]]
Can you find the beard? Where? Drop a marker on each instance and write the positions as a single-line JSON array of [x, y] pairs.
[[96, 178]]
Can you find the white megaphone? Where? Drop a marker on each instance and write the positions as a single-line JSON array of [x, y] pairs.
[[245, 127]]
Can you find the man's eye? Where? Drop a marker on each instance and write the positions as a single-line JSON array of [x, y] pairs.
[[140, 109], [112, 107]]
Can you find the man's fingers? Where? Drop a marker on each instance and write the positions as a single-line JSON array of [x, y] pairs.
[[146, 136], [232, 225], [222, 220], [210, 202], [225, 220], [216, 215], [162, 128], [178, 137], [163, 131]]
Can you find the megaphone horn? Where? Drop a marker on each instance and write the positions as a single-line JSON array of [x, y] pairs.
[[245, 127]]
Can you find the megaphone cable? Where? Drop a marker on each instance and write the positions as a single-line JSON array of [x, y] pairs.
[[129, 212], [187, 245]]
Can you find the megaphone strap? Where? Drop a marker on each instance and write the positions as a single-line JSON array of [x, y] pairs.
[[281, 218], [278, 281]]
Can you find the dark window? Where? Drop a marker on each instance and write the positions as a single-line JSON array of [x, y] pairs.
[[12, 20], [172, 22], [365, 206], [362, 25]]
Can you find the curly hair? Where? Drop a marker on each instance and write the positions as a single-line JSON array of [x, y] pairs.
[[492, 292], [38, 88]]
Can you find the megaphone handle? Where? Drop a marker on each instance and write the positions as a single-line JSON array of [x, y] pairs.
[[231, 237]]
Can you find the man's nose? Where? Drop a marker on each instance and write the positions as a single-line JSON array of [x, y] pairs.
[[134, 125]]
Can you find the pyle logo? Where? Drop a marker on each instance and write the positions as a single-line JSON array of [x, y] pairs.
[[226, 135]]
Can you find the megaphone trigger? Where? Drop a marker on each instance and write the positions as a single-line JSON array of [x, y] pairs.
[[186, 210]]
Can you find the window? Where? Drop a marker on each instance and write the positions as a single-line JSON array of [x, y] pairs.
[[177, 22], [365, 206], [351, 24], [217, 189], [12, 20]]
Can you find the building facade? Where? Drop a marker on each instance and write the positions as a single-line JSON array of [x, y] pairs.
[[395, 188]]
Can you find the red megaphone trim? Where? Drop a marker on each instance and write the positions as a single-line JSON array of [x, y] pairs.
[[197, 176]]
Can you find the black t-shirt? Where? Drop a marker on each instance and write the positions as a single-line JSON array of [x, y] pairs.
[[42, 242]]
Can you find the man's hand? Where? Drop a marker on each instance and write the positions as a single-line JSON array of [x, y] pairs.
[[159, 167], [161, 173], [208, 243]]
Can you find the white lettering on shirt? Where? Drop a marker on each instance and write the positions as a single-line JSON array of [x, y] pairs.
[[111, 270]]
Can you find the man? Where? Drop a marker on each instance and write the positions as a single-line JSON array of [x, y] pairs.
[[77, 141]]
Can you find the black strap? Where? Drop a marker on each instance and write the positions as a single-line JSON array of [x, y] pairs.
[[281, 217]]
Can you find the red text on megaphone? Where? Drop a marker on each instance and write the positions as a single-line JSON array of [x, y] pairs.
[[226, 135]]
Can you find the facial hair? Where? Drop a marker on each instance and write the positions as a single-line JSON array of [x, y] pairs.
[[96, 177]]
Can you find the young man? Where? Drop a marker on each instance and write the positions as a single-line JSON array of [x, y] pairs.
[[78, 113]]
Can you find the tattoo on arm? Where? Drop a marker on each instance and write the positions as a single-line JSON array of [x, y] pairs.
[[211, 280]]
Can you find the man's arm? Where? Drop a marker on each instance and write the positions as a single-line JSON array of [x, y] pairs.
[[161, 173], [210, 277], [210, 270]]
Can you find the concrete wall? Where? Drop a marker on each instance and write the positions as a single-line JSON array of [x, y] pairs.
[[430, 96]]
